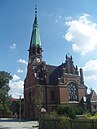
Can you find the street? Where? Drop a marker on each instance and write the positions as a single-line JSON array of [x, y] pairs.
[[12, 123]]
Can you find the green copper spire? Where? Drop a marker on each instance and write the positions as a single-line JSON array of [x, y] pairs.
[[35, 37]]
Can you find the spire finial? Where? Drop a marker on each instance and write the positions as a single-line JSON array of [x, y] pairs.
[[35, 9], [68, 54]]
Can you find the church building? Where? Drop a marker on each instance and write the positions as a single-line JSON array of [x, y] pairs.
[[50, 86]]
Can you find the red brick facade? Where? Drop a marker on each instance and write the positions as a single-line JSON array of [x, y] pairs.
[[58, 84]]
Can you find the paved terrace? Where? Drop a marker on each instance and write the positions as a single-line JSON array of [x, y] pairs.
[[10, 123]]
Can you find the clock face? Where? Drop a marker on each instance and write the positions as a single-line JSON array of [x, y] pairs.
[[38, 59], [72, 88]]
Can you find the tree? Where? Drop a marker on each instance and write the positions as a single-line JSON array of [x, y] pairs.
[[5, 77], [15, 107], [37, 99]]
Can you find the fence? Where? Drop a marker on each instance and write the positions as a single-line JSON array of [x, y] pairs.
[[83, 124], [70, 124]]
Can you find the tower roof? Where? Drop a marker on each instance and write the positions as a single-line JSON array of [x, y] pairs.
[[35, 37]]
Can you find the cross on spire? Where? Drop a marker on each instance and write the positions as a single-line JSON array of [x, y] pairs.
[[36, 9], [68, 54], [35, 37]]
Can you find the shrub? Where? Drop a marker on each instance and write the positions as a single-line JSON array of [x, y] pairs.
[[64, 123], [53, 120], [51, 115], [94, 112], [70, 111]]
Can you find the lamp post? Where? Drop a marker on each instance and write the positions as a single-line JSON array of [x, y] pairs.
[[19, 108], [1, 108], [43, 112]]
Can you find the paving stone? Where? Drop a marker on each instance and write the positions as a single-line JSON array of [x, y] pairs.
[[6, 123]]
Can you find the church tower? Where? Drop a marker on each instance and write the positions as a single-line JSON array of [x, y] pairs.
[[32, 80], [35, 50]]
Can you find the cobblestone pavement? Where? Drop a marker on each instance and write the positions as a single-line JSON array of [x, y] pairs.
[[10, 123]]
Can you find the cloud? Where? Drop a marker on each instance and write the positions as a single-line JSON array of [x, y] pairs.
[[82, 33], [22, 61], [16, 95], [58, 18], [20, 71], [90, 68], [16, 86], [90, 73], [15, 77], [13, 46], [50, 15]]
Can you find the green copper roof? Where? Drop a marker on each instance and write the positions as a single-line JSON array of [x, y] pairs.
[[35, 37]]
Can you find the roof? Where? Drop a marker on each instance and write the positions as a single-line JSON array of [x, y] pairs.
[[14, 99], [92, 97], [35, 37], [54, 72], [51, 68]]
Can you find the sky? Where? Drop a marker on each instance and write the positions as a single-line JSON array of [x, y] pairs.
[[66, 26]]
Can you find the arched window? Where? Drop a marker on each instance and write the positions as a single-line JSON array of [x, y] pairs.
[[73, 91]]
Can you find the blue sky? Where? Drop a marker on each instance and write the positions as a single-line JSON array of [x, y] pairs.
[[66, 26]]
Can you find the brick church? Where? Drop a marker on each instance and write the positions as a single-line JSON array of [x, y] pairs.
[[48, 85]]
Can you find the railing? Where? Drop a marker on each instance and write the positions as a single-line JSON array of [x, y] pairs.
[[70, 124]]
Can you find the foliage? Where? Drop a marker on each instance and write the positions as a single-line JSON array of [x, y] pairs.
[[51, 115], [87, 116], [94, 112], [53, 120], [94, 116], [37, 99], [70, 111], [15, 107], [5, 77], [64, 123]]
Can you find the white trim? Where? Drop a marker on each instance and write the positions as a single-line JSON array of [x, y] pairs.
[[94, 101], [73, 102]]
